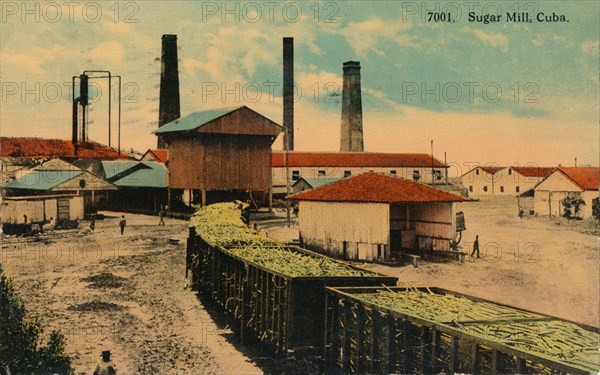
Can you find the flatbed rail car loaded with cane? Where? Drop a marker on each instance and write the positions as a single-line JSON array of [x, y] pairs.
[[422, 330], [273, 292]]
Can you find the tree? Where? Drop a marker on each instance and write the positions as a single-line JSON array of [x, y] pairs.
[[22, 349], [572, 205]]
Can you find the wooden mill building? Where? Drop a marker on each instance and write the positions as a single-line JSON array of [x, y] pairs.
[[376, 217], [220, 155]]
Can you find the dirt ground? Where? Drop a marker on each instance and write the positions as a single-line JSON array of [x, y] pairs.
[[546, 265], [127, 294]]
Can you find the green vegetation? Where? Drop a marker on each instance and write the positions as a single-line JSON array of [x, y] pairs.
[[222, 225], [295, 264], [21, 345], [551, 338]]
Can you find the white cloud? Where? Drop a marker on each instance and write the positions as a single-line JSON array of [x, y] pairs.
[[365, 37], [495, 40], [590, 47]]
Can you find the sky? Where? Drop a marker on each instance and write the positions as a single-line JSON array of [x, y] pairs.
[[502, 93]]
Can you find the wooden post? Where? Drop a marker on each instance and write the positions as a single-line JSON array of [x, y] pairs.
[[392, 349], [454, 356], [360, 339], [203, 197], [375, 334], [474, 355]]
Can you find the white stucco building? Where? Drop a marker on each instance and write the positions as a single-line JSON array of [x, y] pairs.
[[338, 165], [495, 180], [376, 217], [581, 182]]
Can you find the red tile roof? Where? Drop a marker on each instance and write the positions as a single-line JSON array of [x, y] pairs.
[[492, 170], [159, 156], [533, 171], [353, 159], [377, 188], [52, 148], [585, 178]]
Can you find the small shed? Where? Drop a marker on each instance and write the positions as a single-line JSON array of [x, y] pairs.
[[581, 182], [376, 217], [66, 209], [142, 185], [220, 155], [311, 183]]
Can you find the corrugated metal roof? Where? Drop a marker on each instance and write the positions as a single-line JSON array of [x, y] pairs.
[[42, 180], [353, 159], [194, 120], [136, 174], [112, 168], [152, 175], [317, 182], [377, 188], [58, 148]]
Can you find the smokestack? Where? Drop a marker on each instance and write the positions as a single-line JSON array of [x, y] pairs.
[[288, 93], [352, 129], [169, 107]]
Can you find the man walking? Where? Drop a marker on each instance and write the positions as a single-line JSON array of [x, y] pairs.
[[161, 215], [105, 367], [476, 246], [122, 224]]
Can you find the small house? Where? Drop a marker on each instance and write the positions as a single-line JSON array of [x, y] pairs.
[[59, 177], [376, 217], [579, 182]]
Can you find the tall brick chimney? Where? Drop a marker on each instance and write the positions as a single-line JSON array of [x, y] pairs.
[[288, 92], [352, 129], [169, 106]]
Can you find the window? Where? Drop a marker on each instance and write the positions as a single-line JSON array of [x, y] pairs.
[[509, 171], [295, 175], [438, 175], [370, 170], [502, 189], [321, 173], [485, 188], [517, 189], [416, 175], [476, 171], [347, 173], [393, 171], [471, 188]]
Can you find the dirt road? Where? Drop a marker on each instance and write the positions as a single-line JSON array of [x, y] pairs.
[[124, 293]]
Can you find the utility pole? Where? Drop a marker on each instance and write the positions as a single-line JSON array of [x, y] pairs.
[[446, 168], [432, 170]]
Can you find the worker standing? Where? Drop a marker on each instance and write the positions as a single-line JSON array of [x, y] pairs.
[[476, 246], [105, 367], [161, 215], [122, 224]]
